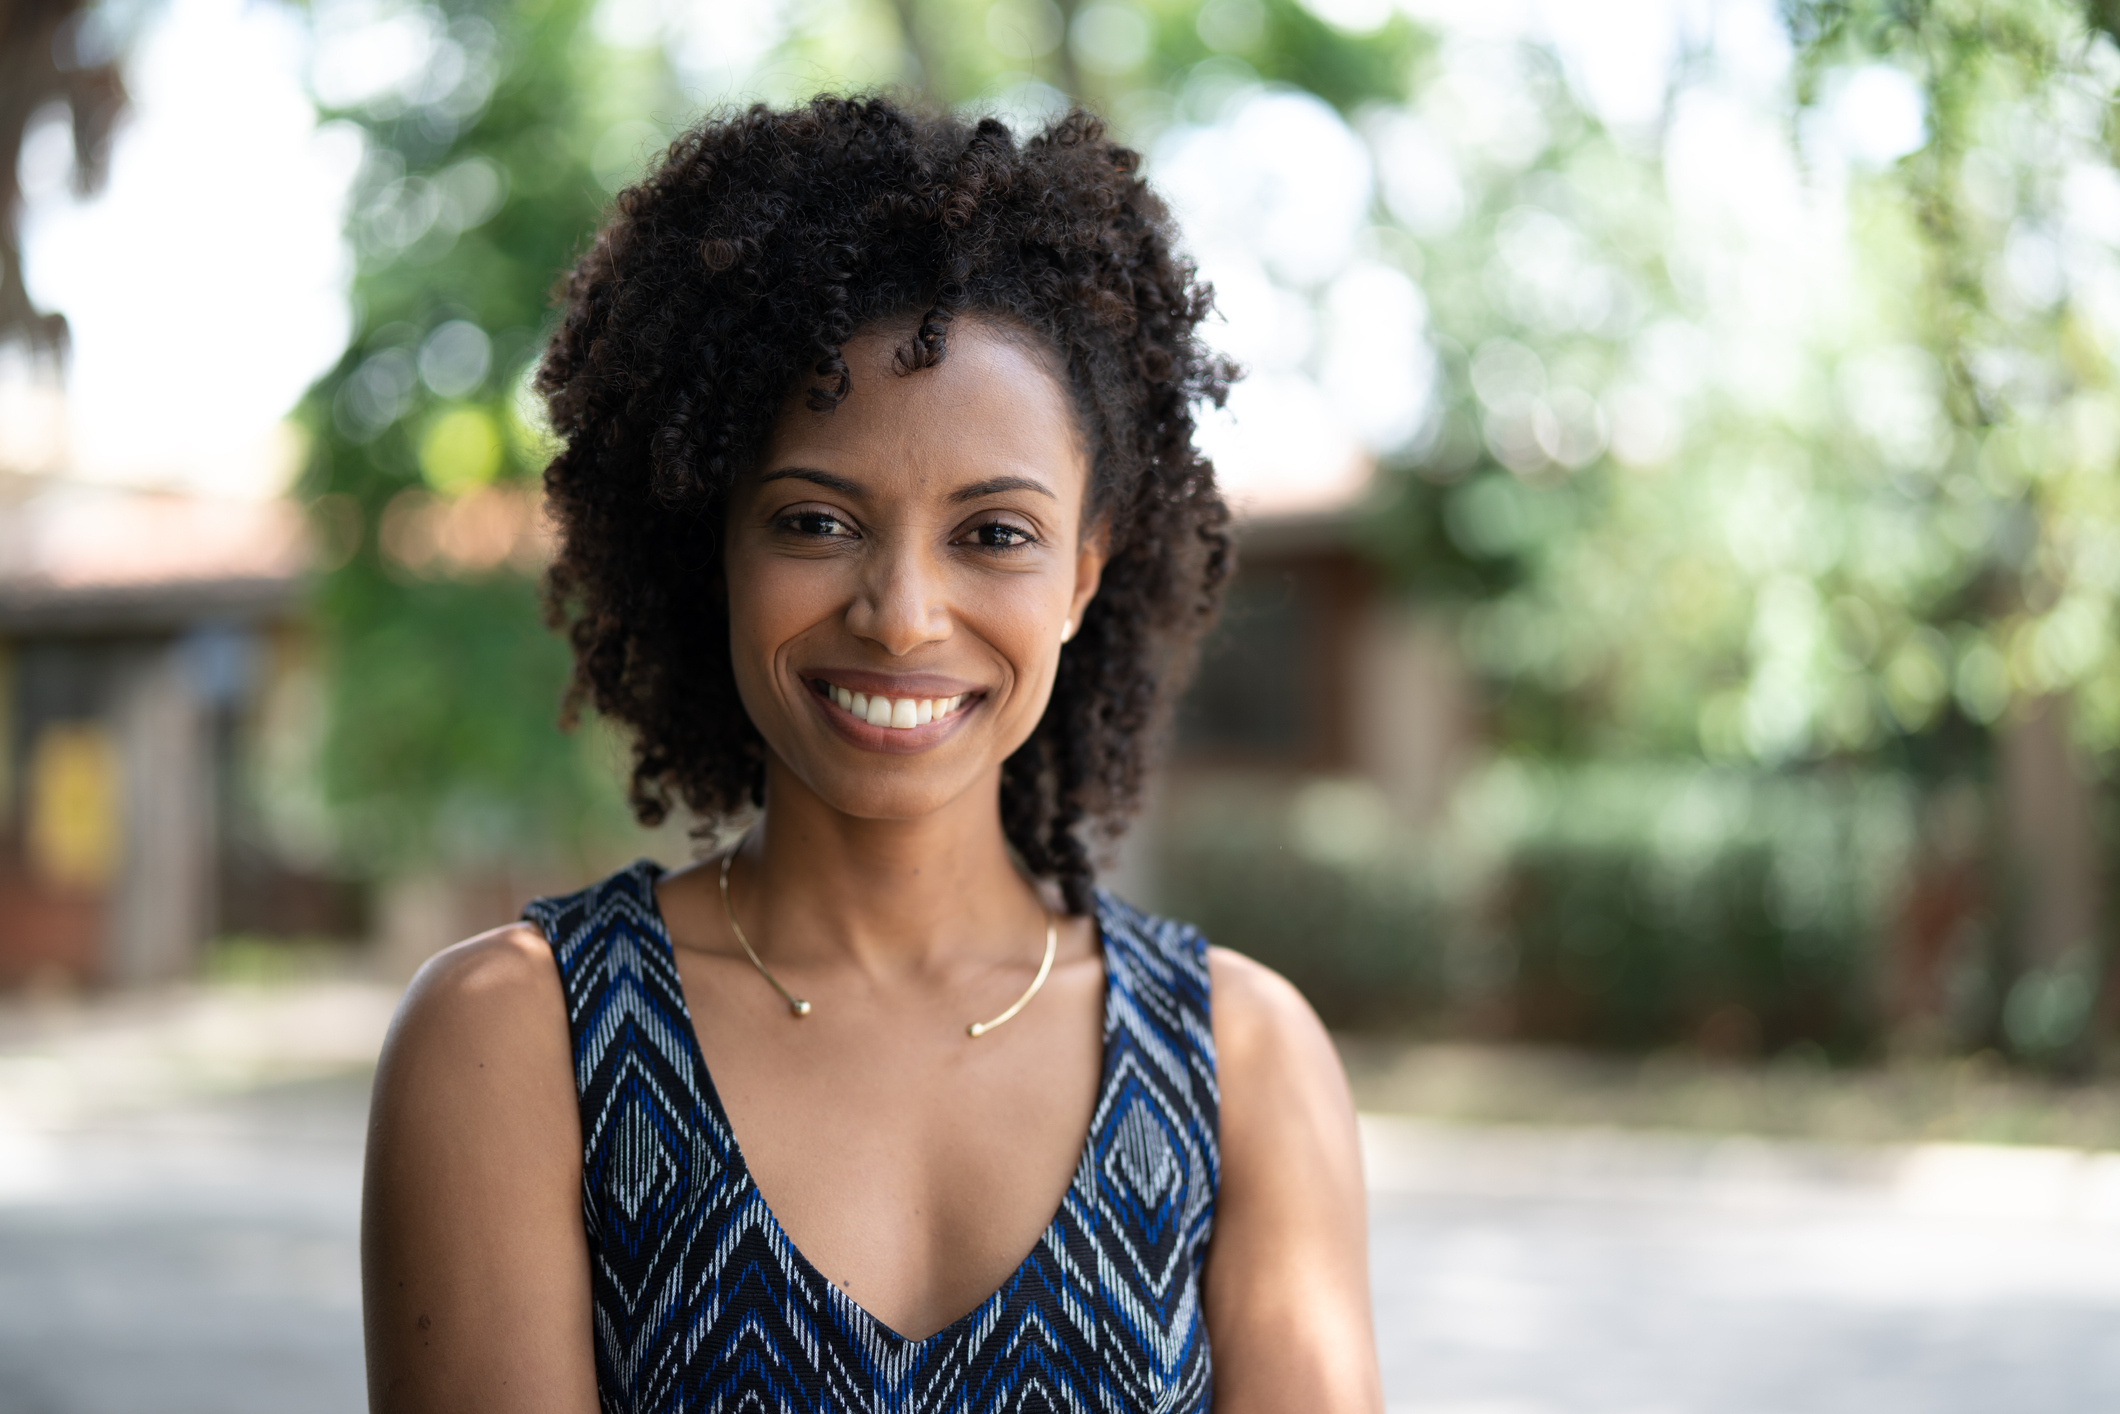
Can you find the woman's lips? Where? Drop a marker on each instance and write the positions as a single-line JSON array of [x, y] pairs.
[[894, 722]]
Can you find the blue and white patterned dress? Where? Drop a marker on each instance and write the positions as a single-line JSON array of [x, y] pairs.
[[704, 1306]]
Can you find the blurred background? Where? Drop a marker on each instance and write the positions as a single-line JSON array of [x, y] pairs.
[[1667, 719]]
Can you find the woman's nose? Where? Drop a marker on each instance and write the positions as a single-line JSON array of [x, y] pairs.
[[902, 602]]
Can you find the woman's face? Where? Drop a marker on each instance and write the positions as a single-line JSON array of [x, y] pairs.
[[901, 568]]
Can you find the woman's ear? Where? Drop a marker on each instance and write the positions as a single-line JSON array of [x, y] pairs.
[[1089, 569]]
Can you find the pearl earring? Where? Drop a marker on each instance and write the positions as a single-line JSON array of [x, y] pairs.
[[1067, 630]]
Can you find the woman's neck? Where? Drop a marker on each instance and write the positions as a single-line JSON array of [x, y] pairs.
[[887, 893]]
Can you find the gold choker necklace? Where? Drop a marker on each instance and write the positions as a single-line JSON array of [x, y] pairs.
[[800, 1007]]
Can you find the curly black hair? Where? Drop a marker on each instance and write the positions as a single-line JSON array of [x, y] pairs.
[[744, 263]]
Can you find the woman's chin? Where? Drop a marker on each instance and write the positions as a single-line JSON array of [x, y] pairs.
[[904, 788]]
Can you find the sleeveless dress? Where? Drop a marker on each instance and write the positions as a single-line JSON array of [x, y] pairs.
[[702, 1304]]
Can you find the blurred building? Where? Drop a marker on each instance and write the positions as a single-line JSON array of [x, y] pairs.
[[1315, 669], [136, 631], [1316, 672]]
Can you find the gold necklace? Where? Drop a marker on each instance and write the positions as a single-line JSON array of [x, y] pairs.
[[800, 1007]]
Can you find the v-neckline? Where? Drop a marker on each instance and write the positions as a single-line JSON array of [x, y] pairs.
[[650, 872]]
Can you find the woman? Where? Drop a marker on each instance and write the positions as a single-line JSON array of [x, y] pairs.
[[881, 518]]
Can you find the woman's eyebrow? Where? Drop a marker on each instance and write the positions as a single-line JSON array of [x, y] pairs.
[[831, 482], [999, 484]]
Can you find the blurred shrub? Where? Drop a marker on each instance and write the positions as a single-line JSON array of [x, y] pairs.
[[256, 960], [1623, 906], [1299, 881]]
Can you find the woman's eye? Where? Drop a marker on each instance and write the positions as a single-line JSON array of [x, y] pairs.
[[999, 535], [815, 523]]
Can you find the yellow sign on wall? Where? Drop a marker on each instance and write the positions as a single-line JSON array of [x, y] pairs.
[[75, 818]]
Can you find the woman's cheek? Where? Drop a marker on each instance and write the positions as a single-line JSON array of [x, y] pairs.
[[1023, 625], [758, 629]]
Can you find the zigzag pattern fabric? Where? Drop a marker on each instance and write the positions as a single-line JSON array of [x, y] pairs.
[[703, 1305]]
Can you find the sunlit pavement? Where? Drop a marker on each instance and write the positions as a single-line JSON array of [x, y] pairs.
[[201, 1259], [179, 1191], [1595, 1272], [179, 1182]]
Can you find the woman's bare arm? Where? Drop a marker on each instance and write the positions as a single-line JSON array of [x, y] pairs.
[[474, 1264], [1288, 1267]]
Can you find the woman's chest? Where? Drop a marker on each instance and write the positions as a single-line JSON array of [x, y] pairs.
[[703, 1301], [914, 1167]]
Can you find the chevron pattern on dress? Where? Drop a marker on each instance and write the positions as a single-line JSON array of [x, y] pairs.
[[703, 1305]]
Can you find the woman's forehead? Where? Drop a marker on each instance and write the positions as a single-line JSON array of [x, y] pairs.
[[992, 403]]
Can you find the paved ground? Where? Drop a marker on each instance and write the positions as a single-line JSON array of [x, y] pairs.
[[1597, 1272], [198, 1260], [179, 1202], [188, 1244]]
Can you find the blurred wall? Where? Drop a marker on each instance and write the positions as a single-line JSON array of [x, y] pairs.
[[126, 676]]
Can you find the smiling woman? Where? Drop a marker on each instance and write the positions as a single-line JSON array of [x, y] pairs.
[[881, 517]]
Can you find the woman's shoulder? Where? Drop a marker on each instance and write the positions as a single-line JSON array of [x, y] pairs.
[[496, 993], [500, 967], [1260, 1021], [617, 904], [511, 980]]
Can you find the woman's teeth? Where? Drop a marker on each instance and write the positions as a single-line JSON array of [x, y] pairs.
[[903, 713]]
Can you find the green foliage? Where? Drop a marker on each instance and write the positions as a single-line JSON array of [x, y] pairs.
[[444, 688], [1844, 433], [1543, 499], [1999, 214], [1282, 42], [439, 768], [1625, 906]]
